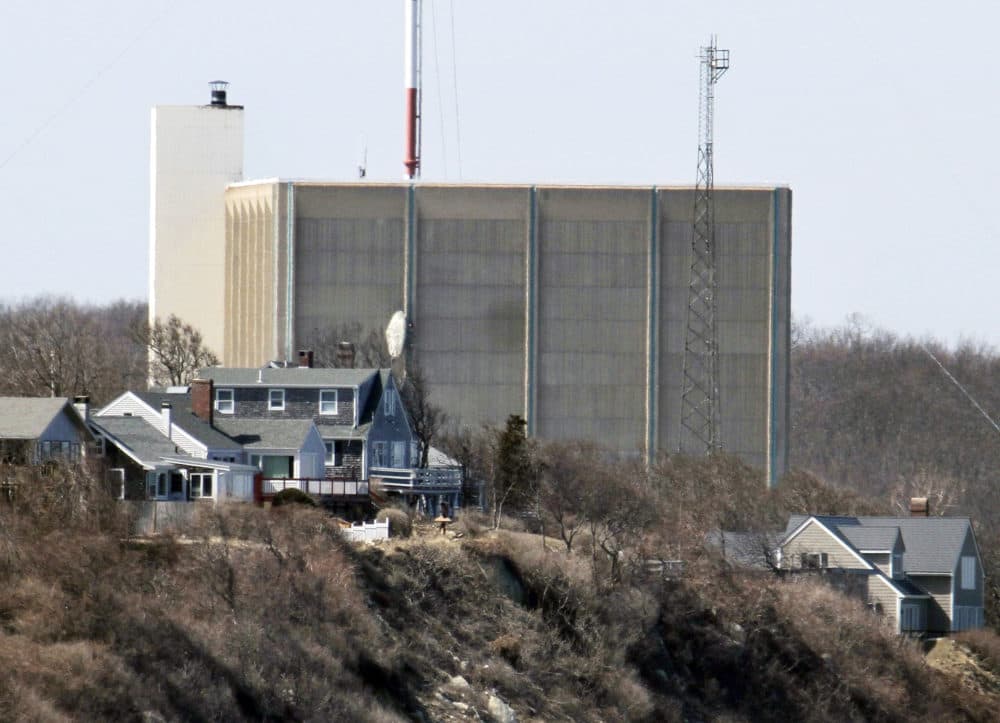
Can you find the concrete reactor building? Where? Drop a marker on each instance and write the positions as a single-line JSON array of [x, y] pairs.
[[564, 304]]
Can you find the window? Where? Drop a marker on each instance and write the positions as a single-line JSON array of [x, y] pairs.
[[968, 573], [378, 454], [398, 452], [328, 401], [414, 454], [276, 399], [200, 484], [331, 453], [161, 485], [897, 565], [390, 403], [813, 560], [224, 403]]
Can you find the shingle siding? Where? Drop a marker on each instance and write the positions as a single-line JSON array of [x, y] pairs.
[[300, 403]]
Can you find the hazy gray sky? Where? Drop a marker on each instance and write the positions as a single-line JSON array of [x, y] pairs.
[[880, 116]]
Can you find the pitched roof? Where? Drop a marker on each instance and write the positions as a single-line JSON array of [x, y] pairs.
[[933, 544], [286, 377], [870, 538], [137, 436], [182, 415], [28, 417], [267, 433]]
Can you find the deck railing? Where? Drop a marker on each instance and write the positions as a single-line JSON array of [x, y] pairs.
[[417, 480], [322, 487]]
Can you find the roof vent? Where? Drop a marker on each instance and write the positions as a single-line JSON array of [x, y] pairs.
[[219, 92]]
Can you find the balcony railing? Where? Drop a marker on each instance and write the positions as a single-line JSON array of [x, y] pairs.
[[268, 487], [418, 480]]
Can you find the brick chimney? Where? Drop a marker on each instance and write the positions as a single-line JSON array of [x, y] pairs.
[[345, 354], [306, 358], [920, 507], [203, 399]]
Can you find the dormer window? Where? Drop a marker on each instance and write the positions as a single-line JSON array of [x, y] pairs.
[[897, 565], [275, 399], [328, 401], [390, 403], [224, 403]]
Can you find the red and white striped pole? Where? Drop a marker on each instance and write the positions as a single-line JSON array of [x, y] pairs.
[[411, 82]]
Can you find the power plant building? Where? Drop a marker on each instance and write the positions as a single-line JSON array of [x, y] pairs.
[[564, 304]]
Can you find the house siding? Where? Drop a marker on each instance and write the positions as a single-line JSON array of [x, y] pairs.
[[939, 604], [815, 538], [968, 608], [392, 429], [881, 593], [129, 405], [881, 560], [300, 403]]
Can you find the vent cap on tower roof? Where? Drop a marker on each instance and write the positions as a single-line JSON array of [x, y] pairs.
[[219, 92]]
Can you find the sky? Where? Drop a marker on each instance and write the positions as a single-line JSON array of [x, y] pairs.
[[881, 117]]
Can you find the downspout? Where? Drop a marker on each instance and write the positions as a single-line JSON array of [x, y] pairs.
[[290, 273], [652, 327]]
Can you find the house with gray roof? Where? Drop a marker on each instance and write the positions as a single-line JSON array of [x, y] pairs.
[[365, 430], [39, 429], [924, 573], [149, 465]]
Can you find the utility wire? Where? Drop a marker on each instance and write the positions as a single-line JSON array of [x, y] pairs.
[[440, 93], [83, 90], [961, 388], [454, 80]]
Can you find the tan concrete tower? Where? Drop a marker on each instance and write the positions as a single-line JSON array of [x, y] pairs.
[[195, 152]]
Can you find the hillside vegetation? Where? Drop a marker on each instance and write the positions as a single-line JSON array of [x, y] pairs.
[[267, 614]]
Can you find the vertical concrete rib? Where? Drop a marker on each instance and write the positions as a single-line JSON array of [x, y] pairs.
[[290, 274], [531, 312], [772, 348], [652, 326], [276, 245], [410, 257]]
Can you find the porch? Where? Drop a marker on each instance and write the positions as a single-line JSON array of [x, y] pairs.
[[348, 490]]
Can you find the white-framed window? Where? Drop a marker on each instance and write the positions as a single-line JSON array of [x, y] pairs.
[[968, 573], [275, 399], [200, 484], [224, 403], [813, 560], [327, 401], [378, 454], [414, 454], [390, 403], [331, 453]]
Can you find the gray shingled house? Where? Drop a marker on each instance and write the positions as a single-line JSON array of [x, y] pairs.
[[39, 429], [365, 431], [924, 573]]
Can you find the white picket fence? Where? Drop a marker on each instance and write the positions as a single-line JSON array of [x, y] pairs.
[[367, 531]]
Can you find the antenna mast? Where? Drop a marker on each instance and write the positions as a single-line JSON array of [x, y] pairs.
[[700, 390], [412, 60]]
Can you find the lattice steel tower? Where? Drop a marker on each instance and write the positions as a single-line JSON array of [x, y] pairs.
[[700, 391]]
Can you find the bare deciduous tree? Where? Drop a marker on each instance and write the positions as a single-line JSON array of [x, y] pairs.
[[427, 418], [176, 350]]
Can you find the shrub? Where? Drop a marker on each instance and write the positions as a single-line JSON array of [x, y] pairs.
[[292, 496], [400, 524]]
